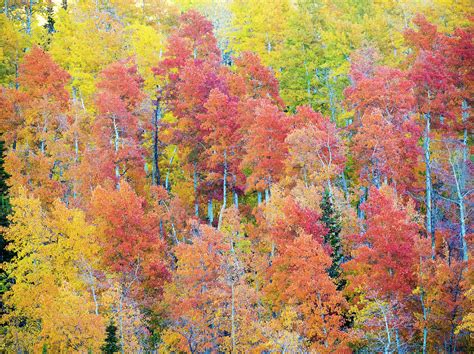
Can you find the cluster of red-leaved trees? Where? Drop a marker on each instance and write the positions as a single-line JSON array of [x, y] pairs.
[[230, 224]]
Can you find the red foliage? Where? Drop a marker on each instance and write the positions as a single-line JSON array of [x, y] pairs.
[[385, 258], [192, 39], [130, 237], [386, 151], [220, 128], [299, 278], [260, 82], [265, 147], [42, 77], [118, 127]]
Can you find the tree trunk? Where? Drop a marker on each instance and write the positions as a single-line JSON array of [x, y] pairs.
[[210, 211], [122, 341], [94, 295], [76, 141], [462, 212], [233, 319], [465, 117], [363, 198], [330, 191], [236, 196], [224, 191], [425, 338], [196, 201], [116, 147], [157, 114], [462, 180], [397, 340], [29, 14], [224, 182], [332, 106], [387, 330], [236, 200], [167, 179], [424, 310], [429, 186], [50, 19], [344, 185]]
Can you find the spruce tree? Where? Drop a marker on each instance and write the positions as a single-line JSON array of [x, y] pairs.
[[111, 341], [331, 219], [5, 255]]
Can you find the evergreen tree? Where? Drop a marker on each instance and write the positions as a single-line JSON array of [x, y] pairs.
[[111, 341], [4, 203], [5, 256], [331, 219]]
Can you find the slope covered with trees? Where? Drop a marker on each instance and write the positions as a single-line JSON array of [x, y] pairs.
[[236, 176]]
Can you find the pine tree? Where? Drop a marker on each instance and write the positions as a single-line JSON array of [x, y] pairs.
[[331, 219], [111, 341]]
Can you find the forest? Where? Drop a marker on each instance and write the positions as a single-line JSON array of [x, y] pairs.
[[236, 176]]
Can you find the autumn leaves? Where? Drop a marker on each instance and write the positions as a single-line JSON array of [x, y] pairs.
[[177, 195]]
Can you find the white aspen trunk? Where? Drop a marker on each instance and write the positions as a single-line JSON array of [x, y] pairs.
[[122, 341], [344, 185], [462, 180], [224, 191], [332, 106], [387, 330], [465, 117], [76, 141], [196, 202], [236, 196], [461, 206], [45, 129], [305, 177], [116, 147], [330, 191], [429, 185], [167, 186], [210, 211], [224, 182], [94, 295], [423, 308], [234, 350], [425, 329], [76, 147], [360, 213], [462, 217], [234, 192], [323, 318], [397, 340], [29, 14], [236, 200]]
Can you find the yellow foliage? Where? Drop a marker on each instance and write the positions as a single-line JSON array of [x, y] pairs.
[[53, 251], [85, 43], [146, 45]]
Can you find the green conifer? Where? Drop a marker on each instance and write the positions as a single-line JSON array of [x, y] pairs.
[[111, 341], [331, 219]]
